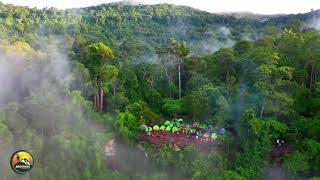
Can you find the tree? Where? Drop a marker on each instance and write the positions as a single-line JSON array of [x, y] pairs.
[[167, 63], [176, 52], [296, 162], [242, 47], [194, 103], [295, 24], [128, 125], [180, 51], [98, 54], [227, 61], [272, 78], [171, 106], [255, 137]]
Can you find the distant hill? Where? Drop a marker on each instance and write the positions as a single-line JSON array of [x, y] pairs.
[[145, 25]]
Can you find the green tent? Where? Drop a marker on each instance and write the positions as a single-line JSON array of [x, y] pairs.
[[162, 127], [168, 128], [179, 120], [214, 136], [174, 129], [156, 127], [171, 125], [167, 123], [149, 129]]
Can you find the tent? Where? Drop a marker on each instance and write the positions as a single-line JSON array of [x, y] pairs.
[[162, 127], [174, 129], [149, 128], [206, 134], [168, 128], [179, 124], [179, 120], [222, 131], [143, 127], [156, 127], [167, 123], [214, 136], [171, 125]]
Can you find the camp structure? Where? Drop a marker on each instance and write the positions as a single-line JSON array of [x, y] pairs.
[[143, 127], [156, 127], [167, 123], [214, 136]]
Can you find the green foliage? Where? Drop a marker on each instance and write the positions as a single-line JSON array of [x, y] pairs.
[[171, 107], [128, 125], [97, 55], [297, 162], [140, 110], [256, 135], [207, 167], [108, 74], [129, 53]]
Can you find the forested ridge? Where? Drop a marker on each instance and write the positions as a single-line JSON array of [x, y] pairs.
[[73, 79]]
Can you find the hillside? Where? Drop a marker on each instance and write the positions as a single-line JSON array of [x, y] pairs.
[[122, 91]]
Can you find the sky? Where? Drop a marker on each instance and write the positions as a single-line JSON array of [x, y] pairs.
[[214, 6]]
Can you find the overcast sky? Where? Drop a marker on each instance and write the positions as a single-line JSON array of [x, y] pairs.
[[255, 6]]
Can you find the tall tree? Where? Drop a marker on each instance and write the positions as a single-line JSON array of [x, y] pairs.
[[180, 51], [175, 52], [227, 60], [98, 55], [273, 82]]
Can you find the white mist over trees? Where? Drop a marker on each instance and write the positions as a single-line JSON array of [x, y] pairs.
[[75, 79]]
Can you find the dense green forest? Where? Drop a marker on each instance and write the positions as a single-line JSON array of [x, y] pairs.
[[73, 79]]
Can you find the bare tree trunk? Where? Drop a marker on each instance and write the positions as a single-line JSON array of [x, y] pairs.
[[311, 76], [179, 66], [101, 99], [52, 125], [227, 83], [169, 82], [262, 108]]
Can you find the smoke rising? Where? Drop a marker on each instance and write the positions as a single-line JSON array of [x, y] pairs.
[[41, 113], [213, 41]]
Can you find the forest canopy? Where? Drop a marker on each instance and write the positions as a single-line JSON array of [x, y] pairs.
[[71, 80]]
